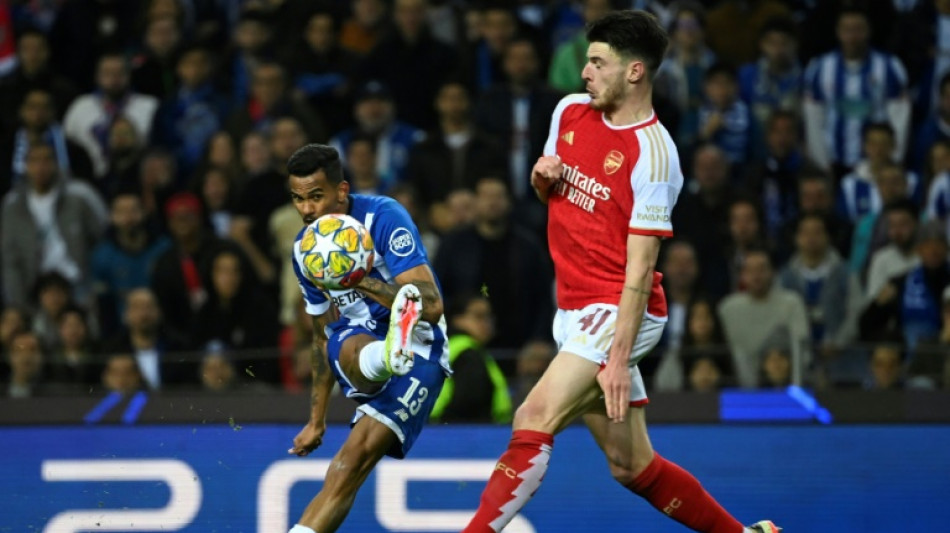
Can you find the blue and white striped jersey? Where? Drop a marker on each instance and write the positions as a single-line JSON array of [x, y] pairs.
[[858, 194], [398, 248], [852, 95], [938, 199]]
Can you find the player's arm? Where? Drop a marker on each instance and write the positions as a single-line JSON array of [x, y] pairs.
[[420, 276], [642, 253], [544, 175], [311, 436]]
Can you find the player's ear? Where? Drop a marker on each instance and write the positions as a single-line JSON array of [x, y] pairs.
[[636, 70], [342, 190]]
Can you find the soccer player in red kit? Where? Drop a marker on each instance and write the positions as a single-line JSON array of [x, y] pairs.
[[610, 175]]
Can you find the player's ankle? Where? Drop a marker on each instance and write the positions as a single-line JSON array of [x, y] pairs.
[[372, 362]]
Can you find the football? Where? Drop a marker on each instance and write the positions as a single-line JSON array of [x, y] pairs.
[[337, 251]]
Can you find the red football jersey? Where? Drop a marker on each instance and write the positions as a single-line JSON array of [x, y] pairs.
[[616, 181]]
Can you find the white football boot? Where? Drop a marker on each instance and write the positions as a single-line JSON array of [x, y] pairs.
[[405, 314]]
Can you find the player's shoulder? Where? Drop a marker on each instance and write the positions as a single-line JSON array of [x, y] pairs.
[[576, 103], [365, 204]]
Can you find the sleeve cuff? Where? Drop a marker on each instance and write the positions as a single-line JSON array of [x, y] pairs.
[[317, 309], [651, 232]]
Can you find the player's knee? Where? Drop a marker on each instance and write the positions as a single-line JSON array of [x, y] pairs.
[[532, 415], [626, 466]]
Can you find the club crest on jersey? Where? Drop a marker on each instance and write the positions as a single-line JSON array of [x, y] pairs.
[[613, 161]]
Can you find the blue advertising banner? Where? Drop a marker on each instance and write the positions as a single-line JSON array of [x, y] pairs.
[[239, 479]]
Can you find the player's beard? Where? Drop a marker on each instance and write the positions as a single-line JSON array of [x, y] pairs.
[[608, 99]]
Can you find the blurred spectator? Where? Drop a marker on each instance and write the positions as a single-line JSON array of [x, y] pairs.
[[773, 179], [250, 38], [504, 261], [375, 116], [48, 225], [532, 360], [821, 277], [407, 197], [701, 362], [217, 372], [570, 57], [932, 356], [322, 71], [680, 77], [156, 183], [935, 126], [256, 157], [13, 320], [898, 255], [776, 368], [681, 285], [122, 374], [38, 125], [361, 166], [885, 368], [859, 194], [870, 232], [237, 316], [774, 311], [221, 152], [735, 27], [90, 116], [363, 29], [153, 68], [483, 62], [180, 274], [126, 151], [819, 21], [27, 366], [773, 82], [921, 43], [815, 197], [75, 359], [702, 216], [87, 30], [724, 119], [268, 102], [51, 294], [937, 205], [124, 259], [262, 195], [33, 73], [908, 306], [144, 337], [284, 226], [745, 234], [848, 88], [215, 187], [411, 63], [455, 155], [519, 114], [188, 118], [478, 390]]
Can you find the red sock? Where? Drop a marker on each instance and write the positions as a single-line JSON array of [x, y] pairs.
[[516, 478], [679, 495]]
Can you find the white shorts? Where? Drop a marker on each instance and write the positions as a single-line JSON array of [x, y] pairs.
[[589, 332]]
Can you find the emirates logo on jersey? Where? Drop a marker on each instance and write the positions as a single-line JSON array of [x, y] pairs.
[[612, 162]]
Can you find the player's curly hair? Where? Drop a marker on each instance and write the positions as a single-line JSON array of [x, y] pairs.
[[308, 159], [632, 33]]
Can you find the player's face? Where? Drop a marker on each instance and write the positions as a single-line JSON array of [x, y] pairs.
[[314, 196], [604, 76]]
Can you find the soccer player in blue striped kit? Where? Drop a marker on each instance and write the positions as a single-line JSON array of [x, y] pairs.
[[384, 342]]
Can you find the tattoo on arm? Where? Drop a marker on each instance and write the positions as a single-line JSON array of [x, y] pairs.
[[319, 367], [638, 290]]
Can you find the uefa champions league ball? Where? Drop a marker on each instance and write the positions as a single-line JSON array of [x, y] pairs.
[[337, 251]]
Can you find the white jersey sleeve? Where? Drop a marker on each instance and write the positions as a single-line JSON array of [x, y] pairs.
[[550, 146], [656, 181]]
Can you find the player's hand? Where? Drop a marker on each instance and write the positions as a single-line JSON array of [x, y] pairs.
[[545, 173], [309, 439], [614, 380]]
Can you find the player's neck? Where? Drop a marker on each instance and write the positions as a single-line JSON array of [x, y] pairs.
[[636, 108]]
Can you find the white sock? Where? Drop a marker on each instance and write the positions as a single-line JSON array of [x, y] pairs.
[[373, 361], [301, 529]]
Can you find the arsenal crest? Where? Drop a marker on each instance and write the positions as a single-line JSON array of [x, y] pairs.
[[613, 161]]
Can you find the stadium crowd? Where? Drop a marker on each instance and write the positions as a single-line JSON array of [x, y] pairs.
[[147, 228]]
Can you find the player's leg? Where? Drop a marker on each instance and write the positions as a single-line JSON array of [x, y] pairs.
[[559, 397], [368, 442], [368, 362]]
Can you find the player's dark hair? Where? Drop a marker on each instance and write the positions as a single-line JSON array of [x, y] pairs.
[[632, 33], [308, 159]]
